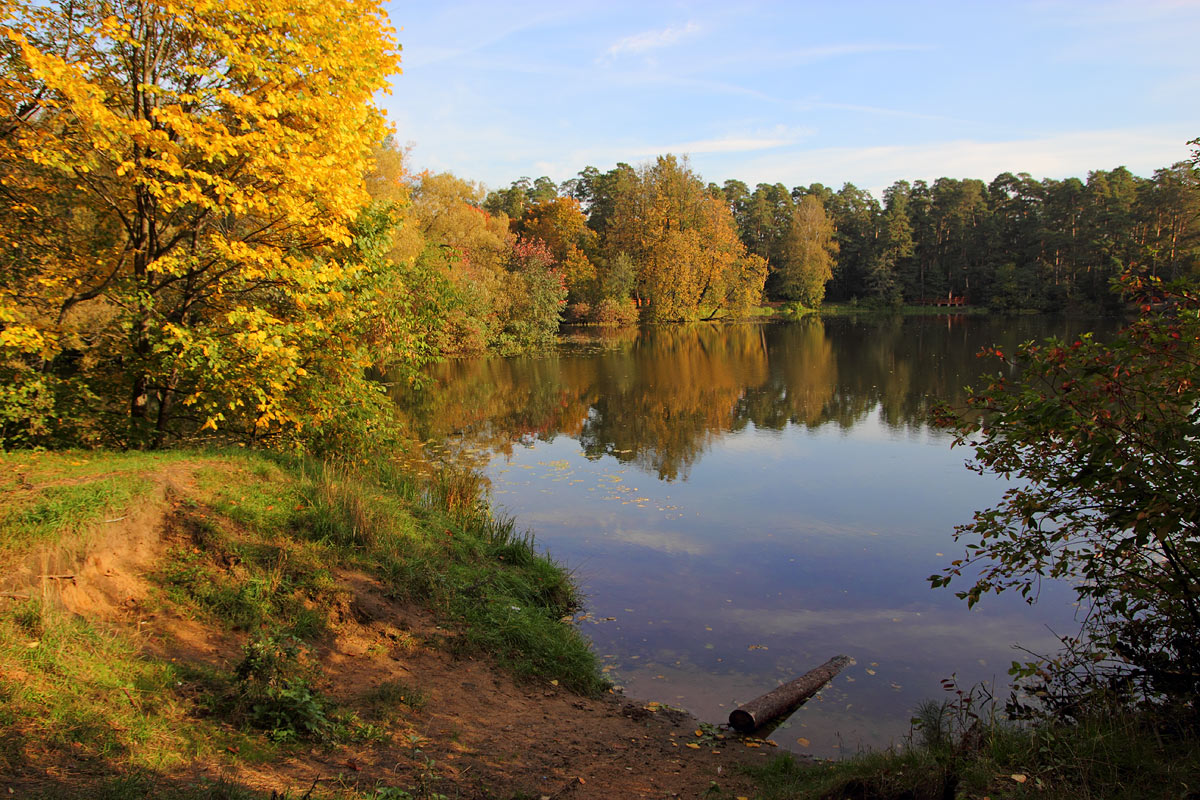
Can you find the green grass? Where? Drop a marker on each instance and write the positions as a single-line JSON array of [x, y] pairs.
[[53, 498], [60, 512], [1124, 754], [71, 686], [447, 550]]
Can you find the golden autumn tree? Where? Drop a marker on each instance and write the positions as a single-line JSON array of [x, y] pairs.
[[182, 187], [503, 292], [465, 248], [690, 261], [561, 224]]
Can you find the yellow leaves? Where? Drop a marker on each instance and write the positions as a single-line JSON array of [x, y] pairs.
[[251, 172], [24, 338]]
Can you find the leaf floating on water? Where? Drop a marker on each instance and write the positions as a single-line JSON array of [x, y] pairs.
[[870, 672], [757, 647], [803, 742]]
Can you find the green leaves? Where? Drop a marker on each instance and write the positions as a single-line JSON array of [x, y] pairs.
[[1101, 439]]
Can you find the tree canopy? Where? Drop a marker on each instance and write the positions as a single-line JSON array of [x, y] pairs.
[[182, 219]]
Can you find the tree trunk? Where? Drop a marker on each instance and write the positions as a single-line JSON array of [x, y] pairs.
[[786, 698]]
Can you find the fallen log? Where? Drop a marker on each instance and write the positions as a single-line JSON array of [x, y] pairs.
[[784, 699]]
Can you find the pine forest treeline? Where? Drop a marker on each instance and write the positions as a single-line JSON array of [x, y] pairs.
[[1015, 243]]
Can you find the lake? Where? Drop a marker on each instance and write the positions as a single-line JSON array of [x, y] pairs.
[[741, 503]]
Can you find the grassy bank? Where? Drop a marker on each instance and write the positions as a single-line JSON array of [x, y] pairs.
[[101, 551], [795, 310], [1118, 754]]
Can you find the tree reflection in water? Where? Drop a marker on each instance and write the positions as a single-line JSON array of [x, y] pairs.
[[657, 397]]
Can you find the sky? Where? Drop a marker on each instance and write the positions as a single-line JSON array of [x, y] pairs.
[[797, 92]]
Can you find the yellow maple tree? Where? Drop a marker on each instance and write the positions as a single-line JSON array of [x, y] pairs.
[[181, 184]]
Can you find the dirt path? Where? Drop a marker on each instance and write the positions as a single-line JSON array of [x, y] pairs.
[[479, 734]]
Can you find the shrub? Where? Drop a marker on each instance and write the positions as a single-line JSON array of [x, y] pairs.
[[1101, 438], [272, 688]]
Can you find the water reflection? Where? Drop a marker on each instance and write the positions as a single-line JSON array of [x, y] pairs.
[[656, 398], [742, 503]]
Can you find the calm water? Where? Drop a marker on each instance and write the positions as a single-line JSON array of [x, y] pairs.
[[740, 504]]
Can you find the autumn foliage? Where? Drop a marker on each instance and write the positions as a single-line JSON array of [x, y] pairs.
[[181, 240]]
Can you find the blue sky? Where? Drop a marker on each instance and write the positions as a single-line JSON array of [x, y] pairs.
[[797, 92]]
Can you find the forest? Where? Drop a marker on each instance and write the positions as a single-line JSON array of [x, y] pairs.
[[1014, 244]]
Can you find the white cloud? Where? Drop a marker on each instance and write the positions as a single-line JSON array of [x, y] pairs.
[[808, 55], [731, 144], [652, 40], [663, 541], [726, 144]]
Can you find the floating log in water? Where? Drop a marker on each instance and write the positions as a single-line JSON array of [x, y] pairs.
[[784, 699]]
